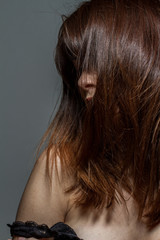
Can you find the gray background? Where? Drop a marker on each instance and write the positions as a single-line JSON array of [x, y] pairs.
[[29, 88]]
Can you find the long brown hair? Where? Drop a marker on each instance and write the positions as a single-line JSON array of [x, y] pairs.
[[112, 143]]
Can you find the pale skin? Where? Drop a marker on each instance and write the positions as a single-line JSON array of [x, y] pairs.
[[43, 204]]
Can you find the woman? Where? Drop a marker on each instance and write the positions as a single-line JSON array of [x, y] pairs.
[[100, 172]]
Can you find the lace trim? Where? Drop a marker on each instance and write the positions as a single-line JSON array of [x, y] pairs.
[[59, 231]]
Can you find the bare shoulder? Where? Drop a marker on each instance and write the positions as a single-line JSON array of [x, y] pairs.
[[44, 201]]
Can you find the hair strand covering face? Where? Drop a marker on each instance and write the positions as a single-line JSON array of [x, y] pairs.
[[111, 143]]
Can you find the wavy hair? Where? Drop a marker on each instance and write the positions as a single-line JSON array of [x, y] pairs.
[[112, 143]]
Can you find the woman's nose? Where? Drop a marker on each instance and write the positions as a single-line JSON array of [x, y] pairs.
[[87, 80], [87, 85]]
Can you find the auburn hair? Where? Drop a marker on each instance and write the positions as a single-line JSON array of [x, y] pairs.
[[112, 143]]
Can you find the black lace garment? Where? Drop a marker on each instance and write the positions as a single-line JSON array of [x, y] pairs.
[[59, 231]]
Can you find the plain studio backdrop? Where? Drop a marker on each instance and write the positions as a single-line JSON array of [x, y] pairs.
[[30, 87]]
